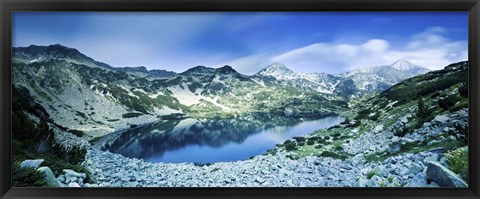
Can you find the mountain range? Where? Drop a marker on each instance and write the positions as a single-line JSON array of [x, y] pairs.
[[94, 97]]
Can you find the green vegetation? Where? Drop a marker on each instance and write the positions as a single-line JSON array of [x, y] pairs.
[[333, 155], [422, 111], [290, 146], [457, 161], [78, 133], [448, 102], [371, 173], [363, 114], [27, 177], [32, 140], [130, 115]]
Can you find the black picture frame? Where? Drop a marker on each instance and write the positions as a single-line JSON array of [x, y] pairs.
[[9, 6]]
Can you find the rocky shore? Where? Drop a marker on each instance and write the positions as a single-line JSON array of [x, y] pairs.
[[424, 169], [113, 170]]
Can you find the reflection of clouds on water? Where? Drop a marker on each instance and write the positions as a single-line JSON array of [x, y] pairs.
[[202, 140]]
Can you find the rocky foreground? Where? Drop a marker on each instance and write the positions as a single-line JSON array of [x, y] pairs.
[[423, 169], [411, 170]]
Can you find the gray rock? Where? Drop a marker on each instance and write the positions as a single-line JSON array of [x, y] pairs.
[[443, 176], [73, 184], [378, 128], [433, 157], [362, 182], [404, 120], [414, 169], [419, 180], [394, 148], [374, 181], [441, 118], [433, 142], [71, 173], [31, 163], [49, 177], [427, 124]]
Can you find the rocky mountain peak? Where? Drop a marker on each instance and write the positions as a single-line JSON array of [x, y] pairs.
[[277, 70], [404, 65], [226, 70]]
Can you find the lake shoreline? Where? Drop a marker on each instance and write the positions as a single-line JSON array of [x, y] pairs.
[[176, 140]]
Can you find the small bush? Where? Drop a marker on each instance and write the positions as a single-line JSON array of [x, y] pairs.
[[434, 95], [347, 121], [130, 115], [310, 142], [371, 173], [290, 146], [448, 102], [457, 161], [339, 148], [463, 90], [332, 155], [402, 131], [355, 124], [326, 137], [27, 177], [375, 117], [363, 114], [76, 132], [299, 139], [73, 155]]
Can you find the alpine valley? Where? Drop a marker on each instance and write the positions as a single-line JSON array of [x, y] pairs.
[[78, 122]]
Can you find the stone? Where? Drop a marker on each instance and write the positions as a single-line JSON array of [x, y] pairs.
[[430, 158], [441, 118], [71, 173], [394, 148], [404, 120], [433, 142], [73, 184], [362, 182], [395, 139], [374, 181], [378, 128], [427, 124], [414, 169], [31, 163], [49, 177], [443, 176], [419, 180]]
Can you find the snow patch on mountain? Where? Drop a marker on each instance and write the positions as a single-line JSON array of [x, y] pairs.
[[166, 111], [188, 98], [184, 96]]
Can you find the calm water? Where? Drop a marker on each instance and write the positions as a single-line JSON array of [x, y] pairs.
[[207, 140]]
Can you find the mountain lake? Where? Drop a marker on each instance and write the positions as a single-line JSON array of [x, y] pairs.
[[210, 140]]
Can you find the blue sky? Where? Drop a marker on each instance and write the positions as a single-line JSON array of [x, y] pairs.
[[331, 42]]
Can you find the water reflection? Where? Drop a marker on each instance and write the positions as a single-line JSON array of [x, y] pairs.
[[210, 140]]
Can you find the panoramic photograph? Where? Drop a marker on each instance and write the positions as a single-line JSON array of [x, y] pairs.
[[240, 99]]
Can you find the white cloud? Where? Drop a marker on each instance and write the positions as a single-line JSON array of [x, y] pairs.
[[430, 49]]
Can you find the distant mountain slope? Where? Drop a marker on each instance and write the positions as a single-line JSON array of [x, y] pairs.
[[380, 78], [83, 94], [141, 71], [320, 82], [356, 82]]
